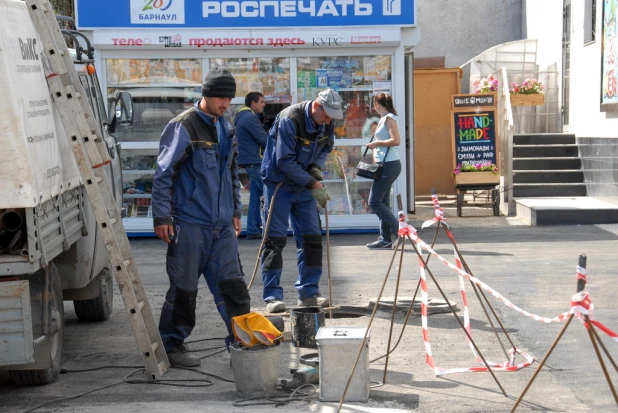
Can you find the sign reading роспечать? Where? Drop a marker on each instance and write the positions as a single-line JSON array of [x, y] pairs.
[[244, 13]]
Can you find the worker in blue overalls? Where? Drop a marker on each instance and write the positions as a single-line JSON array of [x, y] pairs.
[[297, 146], [195, 206]]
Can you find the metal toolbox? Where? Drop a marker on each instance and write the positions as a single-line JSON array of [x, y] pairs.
[[337, 348]]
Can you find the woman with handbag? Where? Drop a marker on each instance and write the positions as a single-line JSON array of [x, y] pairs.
[[386, 154]]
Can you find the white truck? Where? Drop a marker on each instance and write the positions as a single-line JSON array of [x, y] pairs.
[[50, 247]]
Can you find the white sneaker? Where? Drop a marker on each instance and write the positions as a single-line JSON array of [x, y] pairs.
[[275, 306]]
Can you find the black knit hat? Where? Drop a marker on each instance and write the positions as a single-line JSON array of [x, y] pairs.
[[219, 83]]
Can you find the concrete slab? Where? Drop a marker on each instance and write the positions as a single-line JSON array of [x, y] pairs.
[[566, 211]]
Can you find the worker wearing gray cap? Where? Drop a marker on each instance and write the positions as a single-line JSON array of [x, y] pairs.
[[297, 146]]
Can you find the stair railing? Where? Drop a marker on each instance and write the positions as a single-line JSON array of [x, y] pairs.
[[506, 128]]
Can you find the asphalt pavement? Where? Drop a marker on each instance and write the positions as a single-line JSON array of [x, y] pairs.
[[533, 267]]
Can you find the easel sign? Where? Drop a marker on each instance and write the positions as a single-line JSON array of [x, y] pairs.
[[473, 126]]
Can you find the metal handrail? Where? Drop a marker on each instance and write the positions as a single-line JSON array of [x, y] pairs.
[[507, 205]]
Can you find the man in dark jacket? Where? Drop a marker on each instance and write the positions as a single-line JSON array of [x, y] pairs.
[[298, 143], [251, 143], [195, 198]]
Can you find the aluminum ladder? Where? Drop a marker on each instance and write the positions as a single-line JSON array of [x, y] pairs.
[[91, 155]]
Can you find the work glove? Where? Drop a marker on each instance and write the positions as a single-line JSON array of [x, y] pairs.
[[316, 172], [320, 195]]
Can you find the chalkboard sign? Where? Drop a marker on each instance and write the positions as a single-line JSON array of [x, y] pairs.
[[475, 137]]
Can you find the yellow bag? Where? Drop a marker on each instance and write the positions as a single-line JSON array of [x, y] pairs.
[[252, 328]]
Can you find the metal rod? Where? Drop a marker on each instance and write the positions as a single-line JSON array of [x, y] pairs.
[[609, 356], [601, 362], [542, 363], [330, 290], [390, 334], [478, 295], [460, 323], [360, 350], [418, 285], [264, 235]]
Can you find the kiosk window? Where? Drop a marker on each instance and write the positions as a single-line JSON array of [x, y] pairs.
[[356, 78], [268, 75], [154, 71]]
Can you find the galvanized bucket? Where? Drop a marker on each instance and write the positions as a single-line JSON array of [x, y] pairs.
[[256, 369]]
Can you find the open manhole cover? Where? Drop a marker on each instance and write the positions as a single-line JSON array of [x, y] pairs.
[[348, 311], [434, 305]]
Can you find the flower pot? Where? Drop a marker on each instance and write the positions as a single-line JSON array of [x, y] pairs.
[[477, 178], [533, 99]]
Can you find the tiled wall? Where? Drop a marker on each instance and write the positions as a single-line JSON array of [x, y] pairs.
[[600, 164]]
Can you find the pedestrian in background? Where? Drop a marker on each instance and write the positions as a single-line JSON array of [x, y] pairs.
[[251, 143], [385, 150], [298, 143], [195, 205]]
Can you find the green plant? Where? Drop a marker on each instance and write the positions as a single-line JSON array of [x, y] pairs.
[[478, 167]]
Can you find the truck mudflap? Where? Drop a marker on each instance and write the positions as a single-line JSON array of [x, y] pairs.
[[16, 343]]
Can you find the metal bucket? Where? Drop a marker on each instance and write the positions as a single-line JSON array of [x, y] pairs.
[[306, 321], [256, 369]]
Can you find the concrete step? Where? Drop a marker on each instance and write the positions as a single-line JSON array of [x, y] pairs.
[[535, 164], [548, 190], [548, 176], [545, 151], [544, 139], [566, 211]]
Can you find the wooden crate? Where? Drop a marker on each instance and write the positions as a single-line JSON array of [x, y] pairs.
[[528, 100], [477, 178]]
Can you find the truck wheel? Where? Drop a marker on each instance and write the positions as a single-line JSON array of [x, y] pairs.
[[56, 337], [99, 308]]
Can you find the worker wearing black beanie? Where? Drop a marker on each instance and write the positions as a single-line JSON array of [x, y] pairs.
[[219, 83], [196, 211]]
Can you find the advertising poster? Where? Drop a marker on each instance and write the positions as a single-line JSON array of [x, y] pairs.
[[269, 76], [609, 65], [153, 71]]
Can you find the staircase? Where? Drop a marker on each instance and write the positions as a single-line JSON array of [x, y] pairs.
[[548, 183], [546, 165]]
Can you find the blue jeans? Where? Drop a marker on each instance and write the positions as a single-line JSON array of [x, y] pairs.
[[254, 216], [380, 200], [193, 252], [302, 209]]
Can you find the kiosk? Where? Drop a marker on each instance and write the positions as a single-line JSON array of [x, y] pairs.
[[287, 50]]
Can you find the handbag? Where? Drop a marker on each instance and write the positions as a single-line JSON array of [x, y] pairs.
[[370, 170]]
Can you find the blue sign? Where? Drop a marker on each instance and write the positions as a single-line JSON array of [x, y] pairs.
[[218, 14]]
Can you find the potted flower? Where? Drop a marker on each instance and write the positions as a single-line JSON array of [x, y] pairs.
[[482, 173], [486, 85], [529, 93]]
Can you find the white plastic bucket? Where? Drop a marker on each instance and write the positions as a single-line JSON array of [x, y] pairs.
[[256, 369]]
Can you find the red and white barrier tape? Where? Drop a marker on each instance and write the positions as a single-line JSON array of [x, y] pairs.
[[438, 211], [439, 371], [580, 302]]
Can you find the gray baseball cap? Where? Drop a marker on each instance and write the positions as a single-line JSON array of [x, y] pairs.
[[331, 101]]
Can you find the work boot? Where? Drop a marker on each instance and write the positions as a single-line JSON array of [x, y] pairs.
[[313, 301], [275, 306], [179, 357]]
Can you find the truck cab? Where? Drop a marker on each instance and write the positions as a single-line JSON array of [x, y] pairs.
[[50, 247]]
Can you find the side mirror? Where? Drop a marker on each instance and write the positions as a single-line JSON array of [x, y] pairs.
[[121, 111]]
